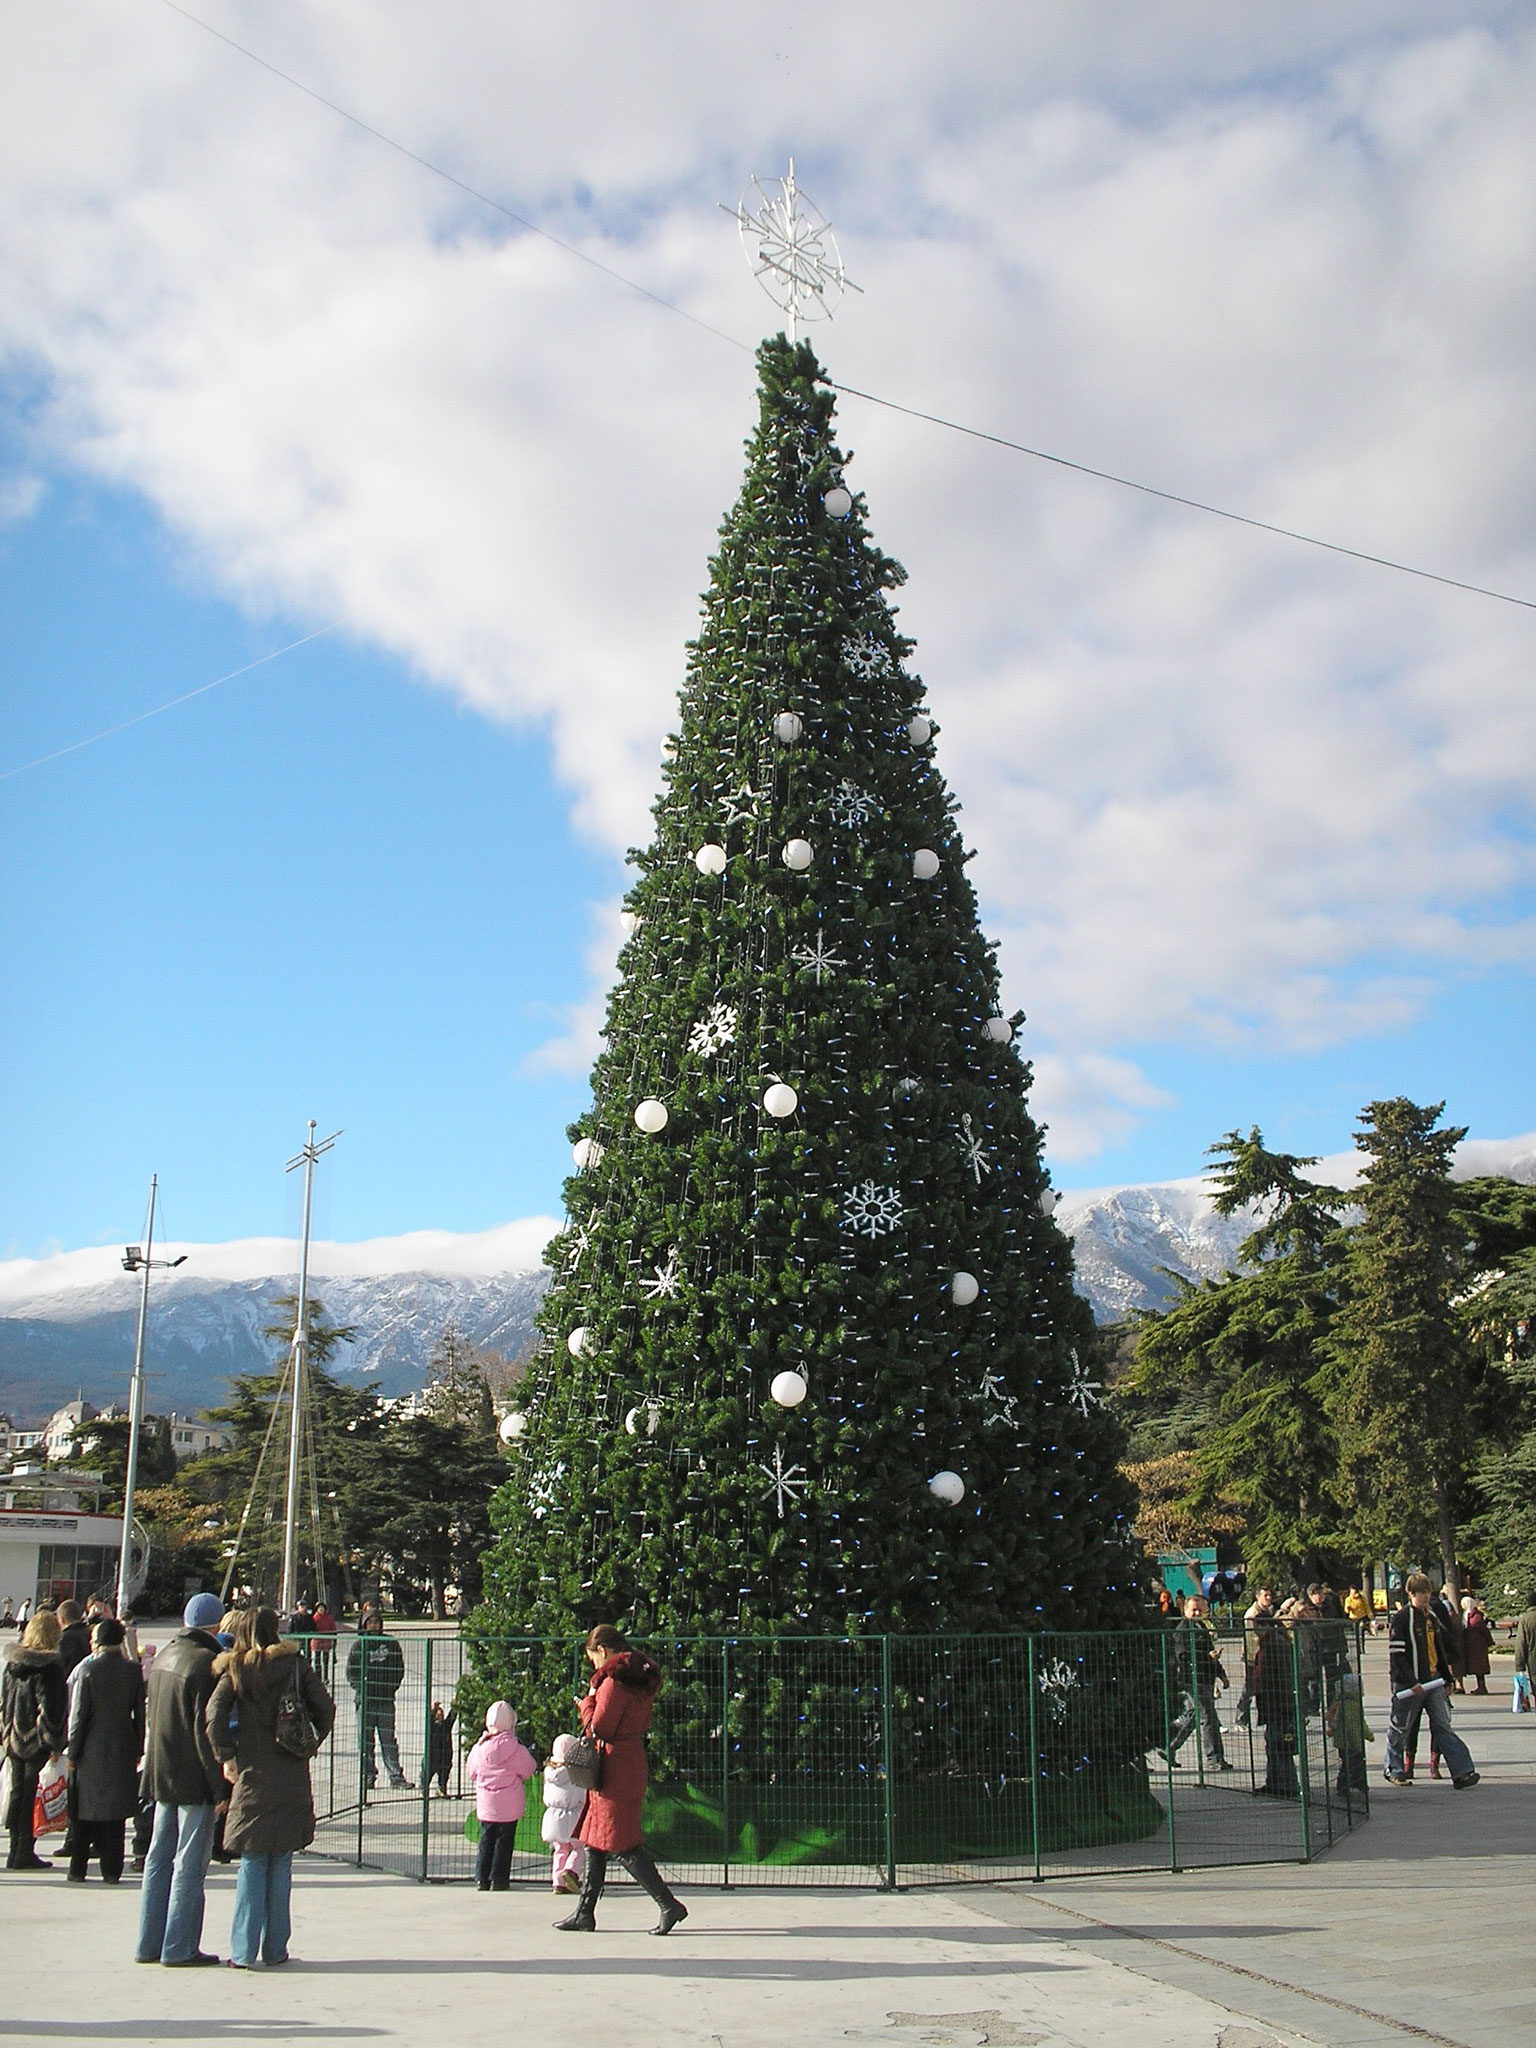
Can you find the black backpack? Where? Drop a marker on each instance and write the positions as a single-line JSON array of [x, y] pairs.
[[294, 1729]]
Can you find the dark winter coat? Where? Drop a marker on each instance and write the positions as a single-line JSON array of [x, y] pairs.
[[1448, 1628], [271, 1809], [616, 1713], [1476, 1645], [106, 1736], [1272, 1675], [74, 1645], [34, 1705], [180, 1767], [383, 1660], [1525, 1643]]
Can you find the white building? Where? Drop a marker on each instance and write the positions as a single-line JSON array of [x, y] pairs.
[[190, 1437], [53, 1545]]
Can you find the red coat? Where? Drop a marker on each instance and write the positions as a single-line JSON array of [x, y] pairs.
[[616, 1713]]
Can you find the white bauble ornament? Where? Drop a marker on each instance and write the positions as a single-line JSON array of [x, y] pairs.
[[788, 1389], [919, 729], [998, 1029], [669, 749], [710, 859], [512, 1426], [579, 1342], [586, 1152], [839, 503], [788, 727], [780, 1100], [964, 1289], [1047, 1202], [798, 855], [925, 864], [906, 1088], [632, 1422], [646, 1416], [630, 921], [948, 1487], [650, 1116]]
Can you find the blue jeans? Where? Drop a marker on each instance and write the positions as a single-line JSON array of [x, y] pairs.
[[1437, 1710], [262, 1917], [171, 1901]]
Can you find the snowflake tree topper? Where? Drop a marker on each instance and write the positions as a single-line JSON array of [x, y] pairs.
[[791, 251]]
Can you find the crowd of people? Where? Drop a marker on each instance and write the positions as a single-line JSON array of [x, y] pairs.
[[1297, 1662], [209, 1754]]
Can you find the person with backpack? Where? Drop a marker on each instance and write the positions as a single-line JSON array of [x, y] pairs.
[[268, 1715], [34, 1715]]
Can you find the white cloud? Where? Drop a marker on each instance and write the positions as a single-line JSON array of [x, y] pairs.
[[1222, 788]]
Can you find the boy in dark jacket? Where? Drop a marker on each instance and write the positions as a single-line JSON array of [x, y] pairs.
[[1421, 1673]]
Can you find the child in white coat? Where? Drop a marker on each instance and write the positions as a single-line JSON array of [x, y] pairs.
[[564, 1800]]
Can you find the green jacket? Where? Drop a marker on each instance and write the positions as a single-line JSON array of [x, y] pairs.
[[1525, 1643]]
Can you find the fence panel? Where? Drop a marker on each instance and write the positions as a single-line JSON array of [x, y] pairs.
[[876, 1761]]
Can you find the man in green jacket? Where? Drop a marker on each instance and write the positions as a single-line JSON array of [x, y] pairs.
[[375, 1669]]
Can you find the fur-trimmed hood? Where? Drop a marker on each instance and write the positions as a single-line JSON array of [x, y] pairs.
[[24, 1659], [633, 1669], [268, 1653]]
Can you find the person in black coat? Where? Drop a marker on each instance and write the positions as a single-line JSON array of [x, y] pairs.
[[74, 1636], [34, 1708], [106, 1740]]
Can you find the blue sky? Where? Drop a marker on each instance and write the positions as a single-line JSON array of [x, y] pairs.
[[1254, 825]]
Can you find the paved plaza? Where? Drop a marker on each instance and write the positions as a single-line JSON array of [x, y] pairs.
[[1421, 1927]]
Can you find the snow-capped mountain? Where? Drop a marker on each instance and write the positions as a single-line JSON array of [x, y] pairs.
[[67, 1322]]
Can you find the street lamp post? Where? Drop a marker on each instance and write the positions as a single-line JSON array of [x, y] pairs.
[[137, 1259]]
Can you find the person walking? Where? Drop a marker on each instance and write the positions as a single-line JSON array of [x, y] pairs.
[[1197, 1662], [74, 1636], [616, 1712], [256, 1734], [375, 1671], [34, 1713], [498, 1767], [1476, 1645], [106, 1740], [183, 1777], [1421, 1671]]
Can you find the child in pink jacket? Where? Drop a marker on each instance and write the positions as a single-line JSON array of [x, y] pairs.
[[499, 1768]]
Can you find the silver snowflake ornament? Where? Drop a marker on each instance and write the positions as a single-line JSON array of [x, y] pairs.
[[865, 655], [784, 1481], [576, 1243], [872, 1211], [1083, 1392], [972, 1150], [819, 959], [993, 1386], [542, 1489], [714, 1031], [667, 1281], [1057, 1681], [851, 805]]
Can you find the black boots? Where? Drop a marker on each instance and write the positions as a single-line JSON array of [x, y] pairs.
[[641, 1866], [584, 1919]]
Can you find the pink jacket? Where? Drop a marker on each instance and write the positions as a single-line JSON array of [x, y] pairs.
[[499, 1767]]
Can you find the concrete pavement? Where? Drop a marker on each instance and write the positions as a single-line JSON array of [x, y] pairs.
[[1418, 1928]]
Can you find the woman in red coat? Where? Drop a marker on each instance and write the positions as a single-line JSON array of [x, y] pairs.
[[616, 1712]]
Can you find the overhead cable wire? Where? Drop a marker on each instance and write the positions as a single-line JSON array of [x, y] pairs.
[[1291, 533], [170, 703], [472, 191]]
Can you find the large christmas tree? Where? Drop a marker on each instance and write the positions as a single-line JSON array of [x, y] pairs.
[[812, 1361]]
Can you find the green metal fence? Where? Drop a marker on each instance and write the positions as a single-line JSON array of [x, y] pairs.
[[884, 1760]]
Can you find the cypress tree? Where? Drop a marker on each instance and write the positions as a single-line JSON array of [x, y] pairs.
[[808, 1163]]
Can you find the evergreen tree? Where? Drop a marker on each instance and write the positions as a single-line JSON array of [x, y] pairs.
[[1256, 1342], [1401, 1382], [808, 1163]]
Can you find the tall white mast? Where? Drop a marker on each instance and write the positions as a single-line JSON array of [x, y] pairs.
[[307, 1158]]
